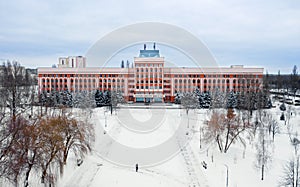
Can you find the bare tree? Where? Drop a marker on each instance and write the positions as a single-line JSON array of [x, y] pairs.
[[279, 81], [291, 175], [189, 101], [116, 98], [215, 129], [263, 144], [10, 164], [263, 154], [274, 128], [294, 80], [61, 135], [19, 150], [78, 136], [52, 146], [17, 86], [225, 129]]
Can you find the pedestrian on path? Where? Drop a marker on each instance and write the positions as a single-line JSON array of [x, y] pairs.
[[136, 167]]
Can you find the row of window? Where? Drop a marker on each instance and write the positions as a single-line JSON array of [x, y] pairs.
[[148, 65], [216, 76], [82, 75], [149, 87], [155, 70], [151, 81], [240, 81], [181, 88], [151, 76], [53, 86], [81, 80], [180, 81], [148, 70]]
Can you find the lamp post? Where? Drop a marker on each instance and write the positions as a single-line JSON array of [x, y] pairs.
[[105, 119], [226, 175], [188, 125], [200, 131]]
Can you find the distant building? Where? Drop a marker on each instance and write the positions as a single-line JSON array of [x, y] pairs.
[[148, 80], [72, 62]]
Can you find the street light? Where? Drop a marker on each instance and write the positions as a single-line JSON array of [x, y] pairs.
[[226, 175], [105, 118]]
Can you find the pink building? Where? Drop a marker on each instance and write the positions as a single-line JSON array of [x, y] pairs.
[[148, 80]]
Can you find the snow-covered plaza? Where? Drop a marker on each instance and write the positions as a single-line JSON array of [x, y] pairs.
[[165, 142]]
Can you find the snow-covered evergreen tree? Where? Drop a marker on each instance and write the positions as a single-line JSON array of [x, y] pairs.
[[218, 99], [197, 92], [231, 100], [177, 98], [207, 100], [99, 98], [282, 107], [116, 98], [84, 99], [201, 100], [43, 98], [240, 100], [57, 98], [67, 99], [107, 97]]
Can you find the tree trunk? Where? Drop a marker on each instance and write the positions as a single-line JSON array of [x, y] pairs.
[[262, 172], [297, 172], [200, 138], [66, 150], [227, 138], [219, 143], [14, 104], [43, 176], [27, 174]]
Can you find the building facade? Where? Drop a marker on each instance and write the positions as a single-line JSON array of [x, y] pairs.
[[147, 80]]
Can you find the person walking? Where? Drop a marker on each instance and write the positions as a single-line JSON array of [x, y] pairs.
[[136, 167]]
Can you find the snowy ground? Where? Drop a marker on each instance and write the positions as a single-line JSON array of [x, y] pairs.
[[178, 164]]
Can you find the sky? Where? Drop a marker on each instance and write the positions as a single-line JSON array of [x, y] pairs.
[[249, 32]]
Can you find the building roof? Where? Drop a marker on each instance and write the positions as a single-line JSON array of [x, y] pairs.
[[149, 53], [174, 70]]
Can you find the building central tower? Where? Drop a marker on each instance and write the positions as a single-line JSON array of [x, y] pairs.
[[148, 71]]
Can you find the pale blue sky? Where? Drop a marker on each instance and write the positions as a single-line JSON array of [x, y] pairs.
[[253, 32]]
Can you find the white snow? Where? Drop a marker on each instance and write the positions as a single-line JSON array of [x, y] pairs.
[[108, 166]]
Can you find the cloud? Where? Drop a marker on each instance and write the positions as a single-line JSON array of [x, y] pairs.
[[231, 29]]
